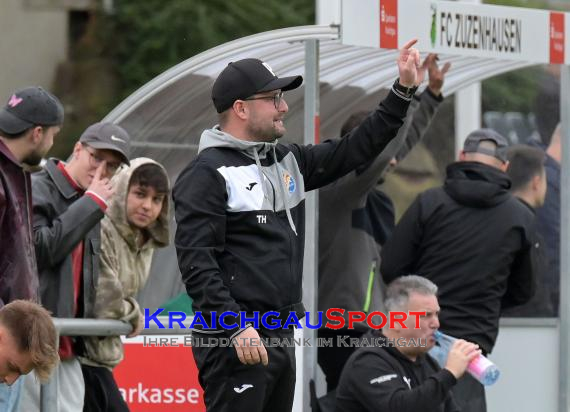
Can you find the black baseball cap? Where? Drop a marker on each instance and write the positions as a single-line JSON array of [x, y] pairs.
[[473, 140], [29, 107], [246, 77], [108, 136]]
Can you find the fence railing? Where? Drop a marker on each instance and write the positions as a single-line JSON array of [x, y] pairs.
[[96, 327]]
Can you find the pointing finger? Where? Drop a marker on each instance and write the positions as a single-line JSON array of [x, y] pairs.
[[99, 171], [410, 43]]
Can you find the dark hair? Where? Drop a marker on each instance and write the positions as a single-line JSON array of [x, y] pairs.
[[33, 330], [223, 118], [353, 121], [525, 162], [150, 175]]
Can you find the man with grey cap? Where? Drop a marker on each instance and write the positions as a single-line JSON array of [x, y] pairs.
[[29, 121], [474, 240], [240, 214], [70, 200]]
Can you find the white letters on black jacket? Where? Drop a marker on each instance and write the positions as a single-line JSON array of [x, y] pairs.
[[240, 212]]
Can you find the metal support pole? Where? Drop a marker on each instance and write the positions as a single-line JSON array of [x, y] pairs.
[[467, 113], [467, 108], [328, 12], [310, 266], [564, 372], [48, 395], [95, 327]]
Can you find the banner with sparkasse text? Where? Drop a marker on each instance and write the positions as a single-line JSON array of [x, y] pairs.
[[159, 378], [457, 28], [159, 374]]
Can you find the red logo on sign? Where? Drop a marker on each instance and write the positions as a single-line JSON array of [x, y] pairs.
[[389, 24], [157, 379], [557, 38]]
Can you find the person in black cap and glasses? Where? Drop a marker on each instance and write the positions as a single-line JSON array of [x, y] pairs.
[[474, 240], [70, 199], [29, 122], [239, 208]]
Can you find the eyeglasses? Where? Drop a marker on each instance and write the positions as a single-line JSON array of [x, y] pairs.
[[277, 98], [95, 161]]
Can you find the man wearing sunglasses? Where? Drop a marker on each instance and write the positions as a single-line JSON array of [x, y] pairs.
[[240, 213], [70, 199]]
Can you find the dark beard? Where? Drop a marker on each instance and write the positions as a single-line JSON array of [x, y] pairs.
[[33, 159], [262, 136]]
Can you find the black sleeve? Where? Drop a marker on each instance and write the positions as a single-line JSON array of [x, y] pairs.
[[323, 163], [400, 252], [55, 236], [418, 119], [450, 404], [200, 199], [422, 116], [521, 284], [380, 387]]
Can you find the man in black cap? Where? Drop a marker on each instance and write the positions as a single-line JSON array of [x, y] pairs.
[[70, 199], [29, 122], [474, 240], [240, 214]]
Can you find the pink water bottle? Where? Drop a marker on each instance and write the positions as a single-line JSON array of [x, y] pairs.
[[480, 368]]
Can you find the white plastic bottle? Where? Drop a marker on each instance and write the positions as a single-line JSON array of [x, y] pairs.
[[480, 368]]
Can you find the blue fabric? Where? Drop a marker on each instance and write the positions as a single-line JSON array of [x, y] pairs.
[[10, 396], [548, 225]]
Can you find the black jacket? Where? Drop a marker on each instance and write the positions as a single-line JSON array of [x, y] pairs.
[[548, 225], [18, 270], [235, 238], [353, 217], [63, 218], [475, 241], [381, 379]]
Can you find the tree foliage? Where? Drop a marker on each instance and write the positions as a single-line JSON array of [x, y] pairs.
[[516, 90], [150, 36], [513, 91]]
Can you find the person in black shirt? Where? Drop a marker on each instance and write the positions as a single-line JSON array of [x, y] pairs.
[[475, 241], [396, 373]]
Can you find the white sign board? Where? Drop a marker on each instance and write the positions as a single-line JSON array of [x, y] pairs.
[[456, 28]]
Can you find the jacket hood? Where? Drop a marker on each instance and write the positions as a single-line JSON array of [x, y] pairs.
[[255, 150], [9, 155], [476, 184], [217, 138], [117, 211]]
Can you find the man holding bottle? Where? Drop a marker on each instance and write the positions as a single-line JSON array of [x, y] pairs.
[[400, 376]]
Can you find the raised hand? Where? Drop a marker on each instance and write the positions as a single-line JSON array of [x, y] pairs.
[[436, 75], [409, 66], [102, 187]]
